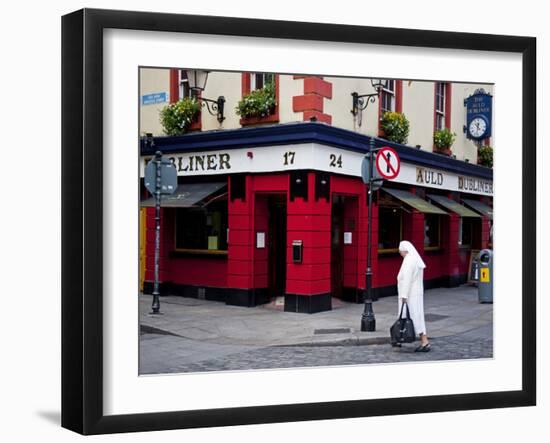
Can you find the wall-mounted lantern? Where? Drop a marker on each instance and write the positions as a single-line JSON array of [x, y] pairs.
[[197, 82], [361, 101]]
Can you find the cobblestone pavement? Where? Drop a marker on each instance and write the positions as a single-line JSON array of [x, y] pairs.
[[163, 354]]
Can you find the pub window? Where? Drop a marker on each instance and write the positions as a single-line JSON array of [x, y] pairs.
[[259, 80], [432, 231], [465, 231], [387, 98], [390, 224], [440, 99], [202, 229]]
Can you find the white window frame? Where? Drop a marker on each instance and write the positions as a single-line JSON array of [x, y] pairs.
[[264, 78], [387, 91], [440, 98]]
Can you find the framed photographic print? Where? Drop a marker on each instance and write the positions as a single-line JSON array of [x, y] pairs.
[[248, 204]]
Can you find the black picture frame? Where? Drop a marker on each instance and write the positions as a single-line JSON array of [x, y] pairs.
[[82, 218]]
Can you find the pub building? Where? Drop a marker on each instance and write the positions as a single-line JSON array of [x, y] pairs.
[[262, 212]]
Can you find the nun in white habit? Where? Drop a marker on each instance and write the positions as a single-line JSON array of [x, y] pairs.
[[410, 290]]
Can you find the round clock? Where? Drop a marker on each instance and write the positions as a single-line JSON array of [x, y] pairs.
[[477, 127]]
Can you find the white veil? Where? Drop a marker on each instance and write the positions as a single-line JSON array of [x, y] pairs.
[[412, 253]]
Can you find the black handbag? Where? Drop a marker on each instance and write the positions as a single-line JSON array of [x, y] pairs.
[[402, 331]]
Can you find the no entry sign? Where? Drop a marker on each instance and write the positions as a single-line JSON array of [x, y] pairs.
[[388, 163]]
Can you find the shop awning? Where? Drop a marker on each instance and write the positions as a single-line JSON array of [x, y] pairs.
[[453, 206], [416, 202], [186, 195], [482, 208]]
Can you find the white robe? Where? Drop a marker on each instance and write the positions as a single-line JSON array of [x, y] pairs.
[[410, 285]]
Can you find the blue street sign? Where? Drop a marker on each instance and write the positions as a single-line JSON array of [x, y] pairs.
[[155, 98]]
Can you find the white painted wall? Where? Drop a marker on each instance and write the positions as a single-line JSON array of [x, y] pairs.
[[228, 85], [288, 88], [366, 122], [418, 107], [152, 81]]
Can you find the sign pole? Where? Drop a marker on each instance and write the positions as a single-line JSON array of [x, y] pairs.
[[161, 178], [156, 300], [368, 320]]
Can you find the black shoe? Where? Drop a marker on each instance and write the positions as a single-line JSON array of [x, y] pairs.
[[396, 345], [423, 348]]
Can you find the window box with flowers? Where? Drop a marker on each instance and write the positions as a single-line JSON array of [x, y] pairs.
[[176, 118], [443, 140], [258, 106], [485, 156], [395, 127]]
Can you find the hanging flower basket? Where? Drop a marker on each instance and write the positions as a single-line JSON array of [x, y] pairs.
[[259, 103], [177, 117], [443, 140], [395, 126], [485, 156]]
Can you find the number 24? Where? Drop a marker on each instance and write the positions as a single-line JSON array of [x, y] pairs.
[[335, 161]]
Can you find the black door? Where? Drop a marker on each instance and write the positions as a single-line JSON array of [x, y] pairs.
[[277, 245]]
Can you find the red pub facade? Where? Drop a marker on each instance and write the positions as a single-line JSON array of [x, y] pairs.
[[281, 212]]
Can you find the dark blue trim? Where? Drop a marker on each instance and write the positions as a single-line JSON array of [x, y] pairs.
[[309, 132]]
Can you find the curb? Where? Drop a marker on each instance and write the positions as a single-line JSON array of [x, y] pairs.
[[348, 341]]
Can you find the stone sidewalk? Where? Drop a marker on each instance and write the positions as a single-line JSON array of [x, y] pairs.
[[448, 311]]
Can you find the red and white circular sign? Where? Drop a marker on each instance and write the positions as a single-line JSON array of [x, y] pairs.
[[388, 163]]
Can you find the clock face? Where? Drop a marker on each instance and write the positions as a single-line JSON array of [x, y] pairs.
[[478, 127]]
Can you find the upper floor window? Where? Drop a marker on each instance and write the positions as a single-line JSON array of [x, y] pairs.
[[260, 108], [259, 80], [387, 98], [440, 105]]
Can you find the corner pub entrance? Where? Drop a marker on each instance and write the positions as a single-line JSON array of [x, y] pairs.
[[281, 211]]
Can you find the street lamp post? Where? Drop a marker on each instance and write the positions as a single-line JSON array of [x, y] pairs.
[[360, 103], [368, 320]]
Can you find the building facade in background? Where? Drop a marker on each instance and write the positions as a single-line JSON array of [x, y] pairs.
[[274, 206], [428, 105]]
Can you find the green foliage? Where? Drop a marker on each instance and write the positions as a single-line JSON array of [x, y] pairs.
[[395, 126], [444, 139], [258, 103], [485, 156], [176, 117]]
